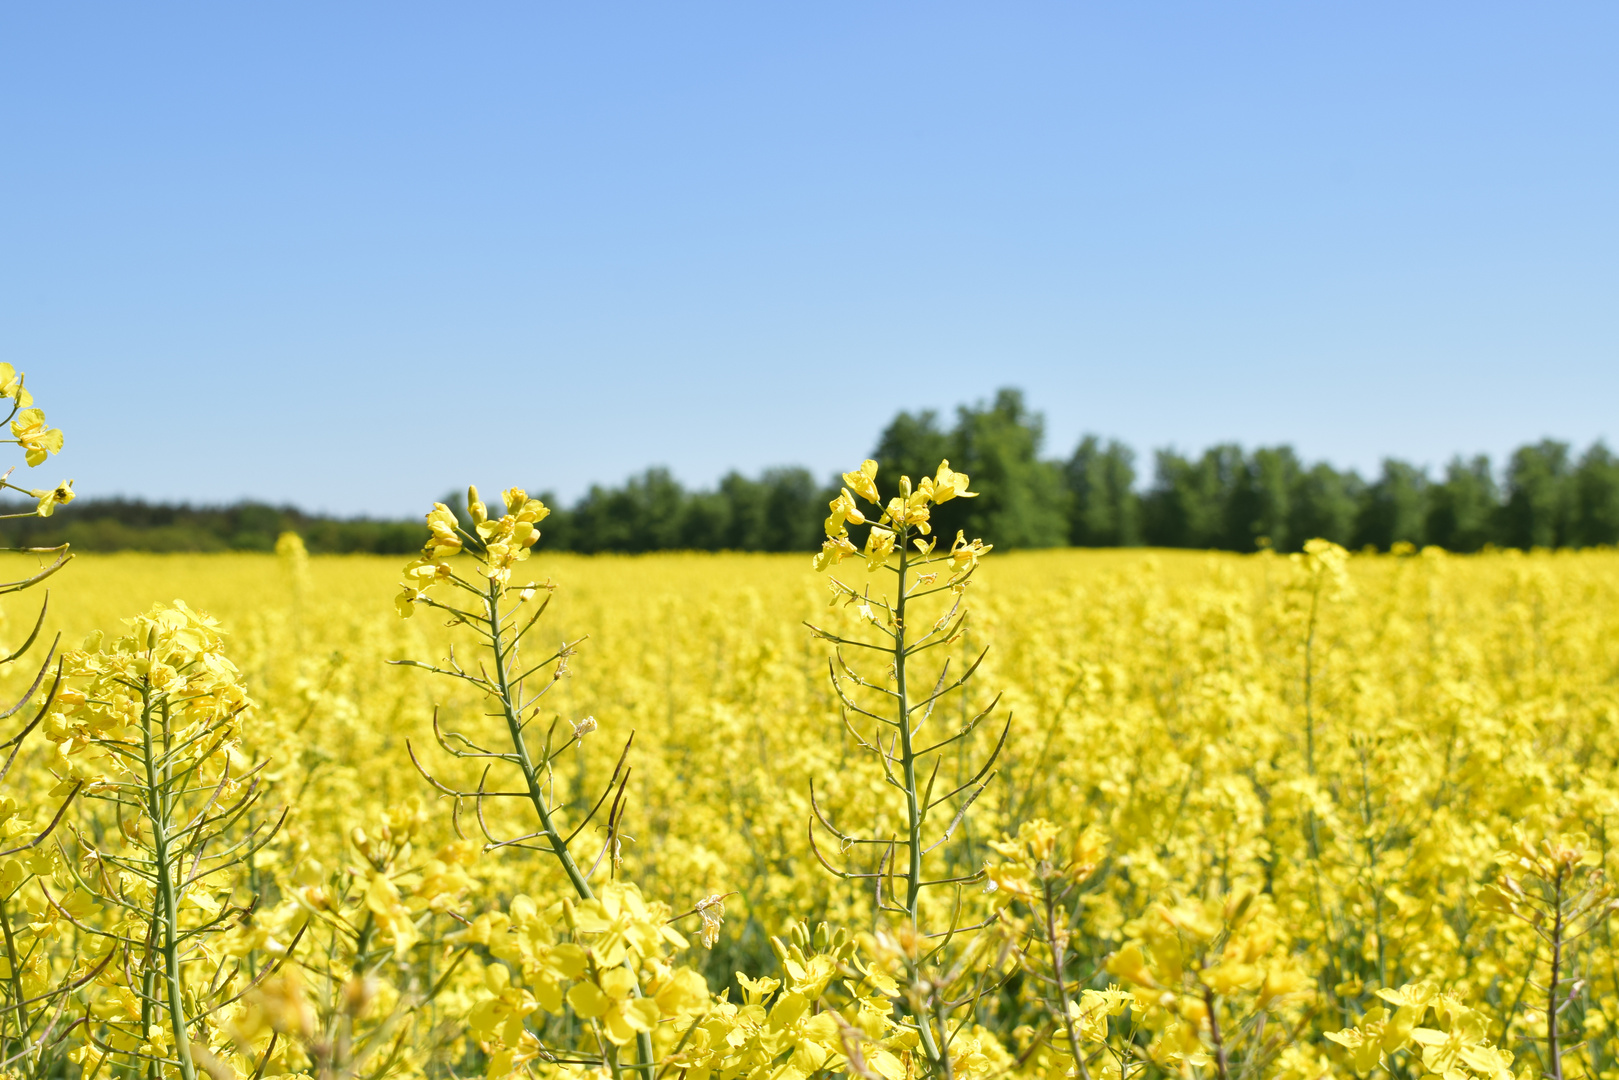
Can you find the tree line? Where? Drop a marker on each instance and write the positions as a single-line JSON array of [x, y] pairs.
[[117, 524], [1227, 498], [1240, 500]]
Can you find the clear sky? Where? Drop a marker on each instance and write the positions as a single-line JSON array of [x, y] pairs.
[[351, 255]]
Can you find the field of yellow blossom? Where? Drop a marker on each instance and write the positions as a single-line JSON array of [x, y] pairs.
[[1209, 816]]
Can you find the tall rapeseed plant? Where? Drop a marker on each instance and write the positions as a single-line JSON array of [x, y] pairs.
[[502, 618], [887, 711], [153, 732], [37, 980]]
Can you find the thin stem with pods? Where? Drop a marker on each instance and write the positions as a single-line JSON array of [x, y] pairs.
[[531, 776], [1220, 1064], [167, 911], [909, 765], [1055, 939], [914, 808], [503, 652], [1554, 1051]]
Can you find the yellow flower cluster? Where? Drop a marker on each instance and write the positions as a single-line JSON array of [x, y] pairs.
[[909, 510], [172, 660], [37, 440], [1460, 1048], [500, 543], [584, 959]]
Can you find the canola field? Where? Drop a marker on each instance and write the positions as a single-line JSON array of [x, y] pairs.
[[1190, 815]]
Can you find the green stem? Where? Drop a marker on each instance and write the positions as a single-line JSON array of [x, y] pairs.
[[536, 796], [913, 803], [15, 962], [1220, 1064], [531, 776], [168, 906], [1554, 1050], [363, 942], [1059, 960], [148, 993], [913, 807]]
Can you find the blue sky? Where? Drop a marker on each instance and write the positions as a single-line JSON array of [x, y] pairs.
[[353, 255]]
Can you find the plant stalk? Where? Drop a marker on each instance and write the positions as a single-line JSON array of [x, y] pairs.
[[913, 803], [168, 907], [536, 796]]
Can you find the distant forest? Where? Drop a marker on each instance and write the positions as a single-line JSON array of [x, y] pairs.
[[1545, 495]]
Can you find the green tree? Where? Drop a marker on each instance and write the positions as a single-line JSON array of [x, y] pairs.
[[1540, 496], [1105, 510], [1323, 506], [1174, 512], [708, 522], [1022, 500], [646, 514], [1190, 503], [1596, 498], [1273, 477], [794, 507], [1394, 508], [912, 445], [741, 521], [1462, 508]]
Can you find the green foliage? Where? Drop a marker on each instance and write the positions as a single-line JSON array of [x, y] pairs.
[[1025, 501], [647, 514], [780, 511], [1324, 504], [1463, 507], [1540, 496], [133, 525], [1182, 508], [1105, 510], [1273, 475], [1394, 507], [1224, 498], [913, 444], [1596, 498]]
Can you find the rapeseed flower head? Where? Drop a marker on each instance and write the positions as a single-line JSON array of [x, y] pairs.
[[445, 540], [909, 511], [11, 386], [947, 484], [712, 911], [879, 546], [864, 481], [964, 556], [842, 509], [612, 1001], [834, 551], [37, 440], [50, 499]]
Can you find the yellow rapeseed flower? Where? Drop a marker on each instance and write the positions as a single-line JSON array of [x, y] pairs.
[[11, 386], [37, 440], [864, 481], [50, 499]]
